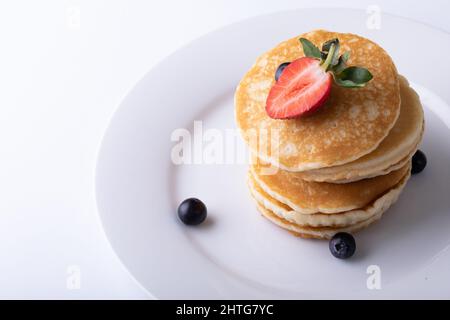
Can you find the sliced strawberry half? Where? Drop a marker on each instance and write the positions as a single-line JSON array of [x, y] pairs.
[[303, 87], [305, 84]]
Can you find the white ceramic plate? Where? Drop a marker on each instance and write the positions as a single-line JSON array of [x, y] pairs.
[[236, 253]]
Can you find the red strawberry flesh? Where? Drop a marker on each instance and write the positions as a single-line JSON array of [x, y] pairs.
[[302, 88]]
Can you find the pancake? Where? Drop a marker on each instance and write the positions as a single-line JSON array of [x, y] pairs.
[[343, 219], [312, 197], [393, 152], [351, 124]]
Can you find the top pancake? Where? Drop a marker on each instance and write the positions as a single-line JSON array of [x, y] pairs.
[[351, 124]]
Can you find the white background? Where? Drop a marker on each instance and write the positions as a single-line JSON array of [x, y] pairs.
[[64, 68]]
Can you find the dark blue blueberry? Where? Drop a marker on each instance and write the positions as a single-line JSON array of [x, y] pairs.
[[192, 211], [419, 162], [342, 245], [280, 70]]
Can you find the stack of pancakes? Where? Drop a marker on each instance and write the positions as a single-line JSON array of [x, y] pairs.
[[342, 167]]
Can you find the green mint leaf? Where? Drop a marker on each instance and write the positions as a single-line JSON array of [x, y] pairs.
[[353, 77], [310, 49], [347, 83]]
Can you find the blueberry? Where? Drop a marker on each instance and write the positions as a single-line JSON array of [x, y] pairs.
[[342, 245], [280, 70], [419, 162], [192, 211]]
